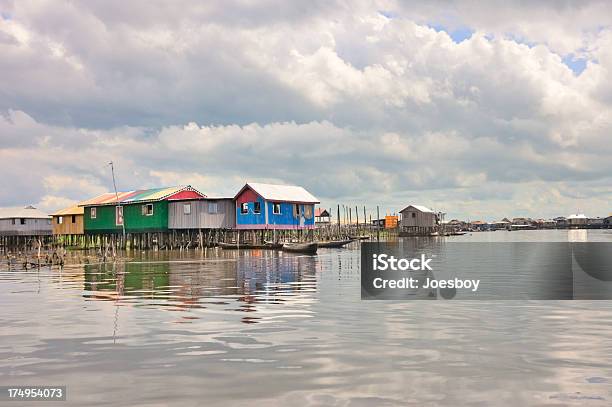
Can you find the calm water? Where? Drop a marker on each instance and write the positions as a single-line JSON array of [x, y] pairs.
[[270, 328]]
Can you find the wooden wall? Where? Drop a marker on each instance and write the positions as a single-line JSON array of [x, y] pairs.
[[420, 219], [71, 225], [200, 216], [32, 227]]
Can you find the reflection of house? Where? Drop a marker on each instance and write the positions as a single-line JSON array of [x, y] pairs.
[[204, 213], [68, 221], [27, 221], [322, 217], [417, 220], [577, 220], [141, 211], [268, 206]]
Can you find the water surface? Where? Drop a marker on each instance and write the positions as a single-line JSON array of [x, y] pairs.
[[269, 328]]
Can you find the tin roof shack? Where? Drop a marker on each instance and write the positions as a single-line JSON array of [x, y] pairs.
[[27, 221], [417, 220], [142, 211], [205, 213], [276, 207], [68, 221], [322, 217]]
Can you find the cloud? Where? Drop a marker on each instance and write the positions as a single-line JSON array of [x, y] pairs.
[[354, 103]]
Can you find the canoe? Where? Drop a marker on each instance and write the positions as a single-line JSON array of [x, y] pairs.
[[334, 243], [234, 246], [307, 248], [359, 237]]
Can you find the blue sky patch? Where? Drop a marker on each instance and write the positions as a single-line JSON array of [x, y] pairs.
[[457, 35], [576, 64]]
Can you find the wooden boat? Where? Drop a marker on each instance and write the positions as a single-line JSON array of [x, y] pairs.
[[334, 243], [359, 237], [235, 246], [307, 248]]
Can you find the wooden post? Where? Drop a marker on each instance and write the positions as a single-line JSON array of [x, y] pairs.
[[377, 223]]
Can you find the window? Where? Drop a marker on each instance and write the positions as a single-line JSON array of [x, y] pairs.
[[187, 209], [13, 221], [413, 214], [92, 213], [147, 210], [60, 220], [73, 218], [118, 215], [212, 207], [256, 207], [276, 208], [308, 211], [22, 221], [296, 210], [244, 208]]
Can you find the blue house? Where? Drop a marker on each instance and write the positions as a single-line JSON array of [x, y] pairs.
[[268, 206]]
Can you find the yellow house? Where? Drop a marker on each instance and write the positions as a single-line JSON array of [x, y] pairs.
[[68, 221]]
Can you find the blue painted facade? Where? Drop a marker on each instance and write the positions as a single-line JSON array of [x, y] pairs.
[[267, 219]]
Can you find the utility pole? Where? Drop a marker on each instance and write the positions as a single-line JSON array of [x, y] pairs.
[[117, 199]]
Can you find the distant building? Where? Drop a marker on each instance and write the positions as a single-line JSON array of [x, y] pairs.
[[322, 217], [269, 206], [577, 220], [502, 224], [608, 222], [69, 221], [27, 221], [561, 221], [391, 221], [522, 221], [596, 223], [417, 220]]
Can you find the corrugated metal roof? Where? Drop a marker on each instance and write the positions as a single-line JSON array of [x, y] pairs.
[[27, 212], [419, 207], [273, 192], [72, 210], [142, 195]]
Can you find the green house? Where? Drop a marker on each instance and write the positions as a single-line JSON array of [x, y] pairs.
[[138, 211]]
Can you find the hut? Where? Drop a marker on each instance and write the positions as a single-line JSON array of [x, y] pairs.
[[68, 225], [141, 211], [417, 220], [275, 207], [68, 221], [206, 217], [322, 217], [20, 225]]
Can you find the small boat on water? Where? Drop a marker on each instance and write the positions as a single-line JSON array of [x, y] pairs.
[[235, 246], [363, 237], [306, 248], [334, 243]]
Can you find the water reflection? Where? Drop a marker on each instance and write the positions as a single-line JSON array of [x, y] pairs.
[[241, 279]]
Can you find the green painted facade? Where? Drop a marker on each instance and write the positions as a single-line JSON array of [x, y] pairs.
[[135, 221]]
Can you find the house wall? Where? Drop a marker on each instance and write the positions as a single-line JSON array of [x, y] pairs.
[[67, 227], [200, 218], [420, 219], [32, 227], [135, 221], [267, 219]]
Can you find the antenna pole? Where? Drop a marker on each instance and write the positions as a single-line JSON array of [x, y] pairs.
[[117, 199]]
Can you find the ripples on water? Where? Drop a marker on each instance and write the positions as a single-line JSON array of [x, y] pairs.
[[254, 327]]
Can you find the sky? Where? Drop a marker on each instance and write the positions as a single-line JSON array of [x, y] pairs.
[[482, 110]]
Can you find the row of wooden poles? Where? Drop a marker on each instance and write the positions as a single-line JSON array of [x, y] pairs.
[[341, 228]]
